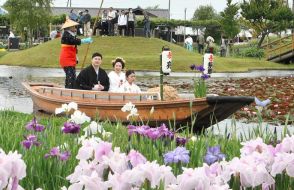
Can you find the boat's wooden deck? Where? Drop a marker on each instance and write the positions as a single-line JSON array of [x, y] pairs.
[[94, 96]]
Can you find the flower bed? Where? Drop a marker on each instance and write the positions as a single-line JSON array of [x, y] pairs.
[[75, 153]]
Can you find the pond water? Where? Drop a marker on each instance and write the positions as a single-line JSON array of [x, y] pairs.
[[14, 96]]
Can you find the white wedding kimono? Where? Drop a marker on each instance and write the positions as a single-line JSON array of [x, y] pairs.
[[127, 87], [116, 80]]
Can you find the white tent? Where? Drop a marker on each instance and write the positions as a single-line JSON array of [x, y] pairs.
[[189, 31], [245, 33]]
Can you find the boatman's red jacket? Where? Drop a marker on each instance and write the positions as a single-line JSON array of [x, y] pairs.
[[69, 50]]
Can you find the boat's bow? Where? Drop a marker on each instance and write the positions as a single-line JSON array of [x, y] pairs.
[[220, 108]]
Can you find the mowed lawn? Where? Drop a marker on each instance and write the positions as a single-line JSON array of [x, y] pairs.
[[139, 53]]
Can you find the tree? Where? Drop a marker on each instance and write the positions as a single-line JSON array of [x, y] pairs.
[[205, 13], [266, 16], [29, 16], [229, 22], [153, 7]]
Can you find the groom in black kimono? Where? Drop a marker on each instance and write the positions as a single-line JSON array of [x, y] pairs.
[[93, 77]]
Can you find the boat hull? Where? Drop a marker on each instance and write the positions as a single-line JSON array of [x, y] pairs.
[[201, 112]]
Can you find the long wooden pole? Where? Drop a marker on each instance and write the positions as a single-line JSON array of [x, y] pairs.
[[88, 45]]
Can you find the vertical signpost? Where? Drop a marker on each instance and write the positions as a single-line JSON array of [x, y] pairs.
[[207, 63], [165, 66]]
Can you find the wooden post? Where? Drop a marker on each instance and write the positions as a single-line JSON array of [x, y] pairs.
[[161, 79], [88, 45]]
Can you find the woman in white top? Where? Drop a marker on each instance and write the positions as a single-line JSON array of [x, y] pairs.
[[129, 85], [117, 76]]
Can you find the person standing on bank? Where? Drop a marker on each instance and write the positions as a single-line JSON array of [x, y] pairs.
[[87, 23], [110, 16], [80, 29], [131, 18], [146, 22], [104, 24], [200, 42], [117, 77], [93, 77], [68, 54], [73, 16]]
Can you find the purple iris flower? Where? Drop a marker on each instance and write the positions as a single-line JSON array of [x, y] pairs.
[[205, 76], [131, 129], [70, 127], [30, 141], [213, 155], [180, 154], [200, 68], [193, 67], [262, 103], [55, 152], [153, 133], [64, 156], [141, 130], [27, 144], [180, 141], [33, 125], [165, 132]]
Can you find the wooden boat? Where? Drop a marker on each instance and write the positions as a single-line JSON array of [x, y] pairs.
[[202, 112]]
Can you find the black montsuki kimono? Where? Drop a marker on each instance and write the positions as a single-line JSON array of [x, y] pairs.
[[88, 78]]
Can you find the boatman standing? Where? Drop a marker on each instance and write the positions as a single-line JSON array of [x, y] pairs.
[[68, 55]]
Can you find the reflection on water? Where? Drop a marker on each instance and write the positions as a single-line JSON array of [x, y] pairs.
[[13, 96]]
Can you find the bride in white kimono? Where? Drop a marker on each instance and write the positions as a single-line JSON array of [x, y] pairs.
[[117, 76]]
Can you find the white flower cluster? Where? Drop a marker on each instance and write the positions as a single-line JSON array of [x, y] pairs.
[[66, 108], [77, 117], [130, 107]]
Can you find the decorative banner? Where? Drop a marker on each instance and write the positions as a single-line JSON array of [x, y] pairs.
[[166, 61], [207, 63]]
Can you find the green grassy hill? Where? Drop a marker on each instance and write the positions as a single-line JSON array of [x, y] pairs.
[[139, 53]]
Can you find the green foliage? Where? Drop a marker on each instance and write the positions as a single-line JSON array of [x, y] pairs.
[[229, 21], [57, 19], [248, 50], [267, 16], [200, 88], [4, 20], [206, 12], [214, 31], [12, 133], [153, 7], [253, 52], [31, 14]]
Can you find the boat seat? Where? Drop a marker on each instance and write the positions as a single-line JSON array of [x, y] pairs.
[[92, 95]]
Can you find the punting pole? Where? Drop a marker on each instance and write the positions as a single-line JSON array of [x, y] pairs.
[[88, 45]]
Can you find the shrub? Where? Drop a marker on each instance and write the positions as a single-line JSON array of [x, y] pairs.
[[253, 52]]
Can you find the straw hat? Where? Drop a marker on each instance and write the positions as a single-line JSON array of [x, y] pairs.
[[69, 23]]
